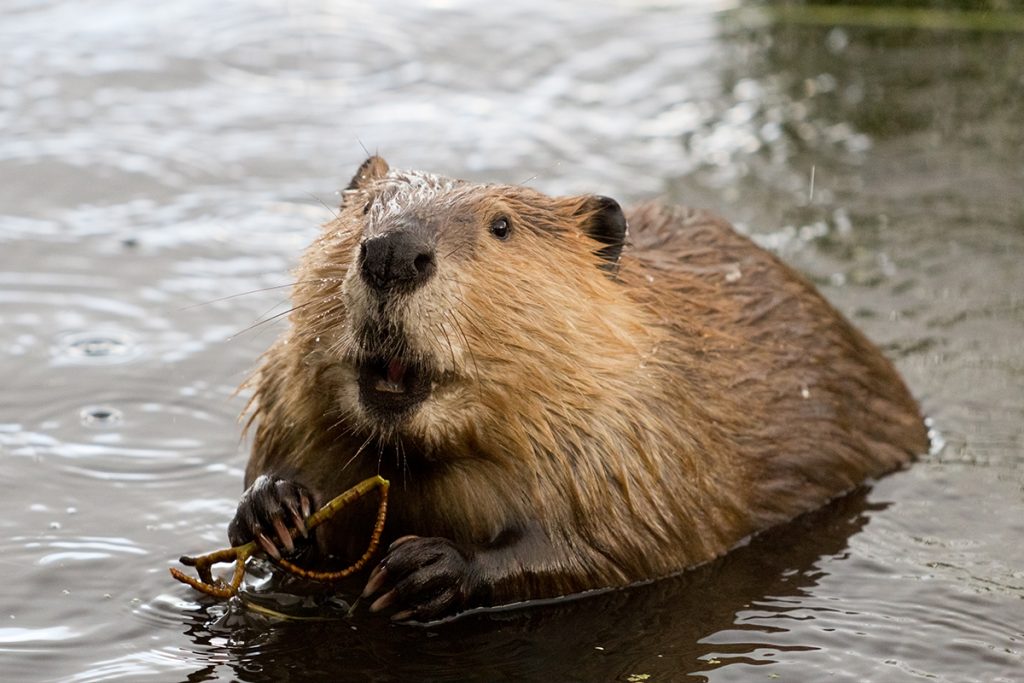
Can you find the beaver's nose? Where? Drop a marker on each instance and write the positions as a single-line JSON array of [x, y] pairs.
[[396, 260]]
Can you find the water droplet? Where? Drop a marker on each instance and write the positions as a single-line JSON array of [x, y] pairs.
[[100, 416], [93, 347], [97, 346]]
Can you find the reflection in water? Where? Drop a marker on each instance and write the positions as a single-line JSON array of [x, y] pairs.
[[159, 160], [10, 636], [664, 629]]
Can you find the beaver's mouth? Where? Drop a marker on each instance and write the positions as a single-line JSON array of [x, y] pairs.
[[392, 386]]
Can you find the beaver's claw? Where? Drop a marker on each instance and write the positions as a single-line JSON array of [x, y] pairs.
[[421, 579], [272, 512]]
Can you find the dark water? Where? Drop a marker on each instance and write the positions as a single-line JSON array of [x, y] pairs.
[[158, 157]]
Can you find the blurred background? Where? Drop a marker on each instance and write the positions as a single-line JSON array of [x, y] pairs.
[[156, 158]]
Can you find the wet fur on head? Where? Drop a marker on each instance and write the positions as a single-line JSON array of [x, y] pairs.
[[483, 304]]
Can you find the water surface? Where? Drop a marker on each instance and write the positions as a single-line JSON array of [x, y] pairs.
[[155, 159]]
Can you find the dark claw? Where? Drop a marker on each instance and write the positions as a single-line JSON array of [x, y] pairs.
[[377, 578], [283, 534], [384, 601], [400, 540], [298, 520], [268, 546], [422, 578], [268, 513]]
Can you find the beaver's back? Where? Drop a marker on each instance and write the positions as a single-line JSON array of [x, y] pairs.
[[825, 408]]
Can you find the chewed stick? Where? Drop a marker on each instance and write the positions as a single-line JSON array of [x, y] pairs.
[[240, 554]]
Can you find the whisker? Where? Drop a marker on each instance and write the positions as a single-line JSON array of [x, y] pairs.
[[259, 323], [256, 291], [405, 470], [448, 339], [343, 414], [358, 451], [451, 276], [456, 249], [465, 316], [465, 340], [464, 308], [341, 422], [267, 312], [380, 453], [333, 212], [400, 462], [537, 175]]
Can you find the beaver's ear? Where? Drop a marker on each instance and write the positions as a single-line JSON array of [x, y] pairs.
[[603, 220], [372, 169]]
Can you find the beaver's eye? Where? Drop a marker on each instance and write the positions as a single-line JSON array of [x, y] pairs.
[[366, 206], [500, 228]]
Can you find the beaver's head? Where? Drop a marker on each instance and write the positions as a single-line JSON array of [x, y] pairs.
[[436, 309]]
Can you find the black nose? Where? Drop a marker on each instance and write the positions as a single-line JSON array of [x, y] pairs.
[[397, 260]]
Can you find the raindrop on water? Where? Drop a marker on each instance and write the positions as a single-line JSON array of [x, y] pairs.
[[91, 347], [100, 416], [98, 346]]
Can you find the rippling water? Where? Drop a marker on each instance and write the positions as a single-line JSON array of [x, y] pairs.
[[156, 159]]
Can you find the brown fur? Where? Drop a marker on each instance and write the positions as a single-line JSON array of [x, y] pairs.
[[597, 430]]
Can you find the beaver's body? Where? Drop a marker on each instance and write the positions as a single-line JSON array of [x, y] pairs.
[[557, 416]]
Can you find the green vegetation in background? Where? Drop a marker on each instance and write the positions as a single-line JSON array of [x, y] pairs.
[[977, 16]]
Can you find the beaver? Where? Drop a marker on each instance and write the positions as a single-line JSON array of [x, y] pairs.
[[567, 396]]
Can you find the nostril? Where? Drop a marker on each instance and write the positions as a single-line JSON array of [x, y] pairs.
[[423, 263]]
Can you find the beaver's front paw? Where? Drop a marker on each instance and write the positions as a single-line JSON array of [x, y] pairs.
[[422, 578], [272, 512]]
